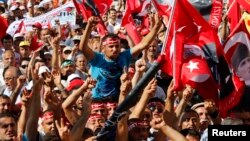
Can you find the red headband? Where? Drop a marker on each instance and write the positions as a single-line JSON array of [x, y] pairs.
[[109, 41], [111, 104], [95, 116], [137, 124], [97, 106], [47, 115]]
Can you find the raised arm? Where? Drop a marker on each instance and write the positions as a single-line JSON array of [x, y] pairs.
[[83, 46], [24, 114], [35, 107], [71, 99], [148, 93], [148, 38], [78, 128], [172, 134], [20, 83]]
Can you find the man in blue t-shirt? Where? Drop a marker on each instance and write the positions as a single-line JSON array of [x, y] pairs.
[[107, 67]]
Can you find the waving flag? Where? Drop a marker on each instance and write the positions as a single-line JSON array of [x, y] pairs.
[[88, 8], [236, 49], [129, 24], [245, 4], [191, 37], [234, 14]]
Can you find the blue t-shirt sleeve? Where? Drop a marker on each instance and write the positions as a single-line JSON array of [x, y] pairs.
[[97, 58]]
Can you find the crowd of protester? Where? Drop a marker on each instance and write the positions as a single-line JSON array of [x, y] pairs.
[[68, 88]]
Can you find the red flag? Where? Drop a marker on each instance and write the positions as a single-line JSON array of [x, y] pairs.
[[191, 36], [135, 5], [103, 5], [236, 49], [129, 24], [245, 4], [81, 9], [234, 14], [3, 27], [163, 8], [197, 74]]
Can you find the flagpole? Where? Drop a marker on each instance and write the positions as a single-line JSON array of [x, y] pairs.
[[174, 57], [168, 26]]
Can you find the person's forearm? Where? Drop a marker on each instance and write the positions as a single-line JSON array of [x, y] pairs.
[[35, 107], [71, 99], [140, 106], [79, 126], [22, 120], [172, 133], [55, 58], [14, 94], [136, 78]]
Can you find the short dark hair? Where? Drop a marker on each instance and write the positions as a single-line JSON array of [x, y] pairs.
[[110, 35], [111, 9], [3, 115], [7, 37], [4, 97]]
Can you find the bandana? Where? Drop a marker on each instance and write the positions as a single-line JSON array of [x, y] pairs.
[[138, 123], [47, 115], [95, 116], [109, 41], [66, 63], [97, 106], [111, 104]]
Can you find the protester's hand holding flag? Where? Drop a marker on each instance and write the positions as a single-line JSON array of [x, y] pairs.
[[191, 40]]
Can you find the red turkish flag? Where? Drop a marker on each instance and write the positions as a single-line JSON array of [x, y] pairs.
[[3, 27], [103, 5], [135, 5], [129, 24], [245, 4], [186, 26], [81, 9], [197, 74], [234, 14]]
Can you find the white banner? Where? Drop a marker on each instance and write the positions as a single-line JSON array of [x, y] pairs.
[[65, 13]]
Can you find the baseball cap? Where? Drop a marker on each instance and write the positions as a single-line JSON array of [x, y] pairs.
[[18, 35], [24, 43], [77, 37], [43, 69], [72, 77], [37, 25], [67, 48], [197, 105]]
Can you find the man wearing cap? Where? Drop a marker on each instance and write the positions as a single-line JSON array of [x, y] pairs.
[[241, 64], [24, 49], [107, 67], [37, 27]]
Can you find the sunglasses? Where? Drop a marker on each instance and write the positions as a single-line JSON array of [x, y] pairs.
[[24, 66], [153, 106]]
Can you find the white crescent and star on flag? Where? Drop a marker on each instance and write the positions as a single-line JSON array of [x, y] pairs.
[[192, 66]]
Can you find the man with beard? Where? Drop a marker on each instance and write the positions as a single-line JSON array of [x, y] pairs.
[[95, 122]]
